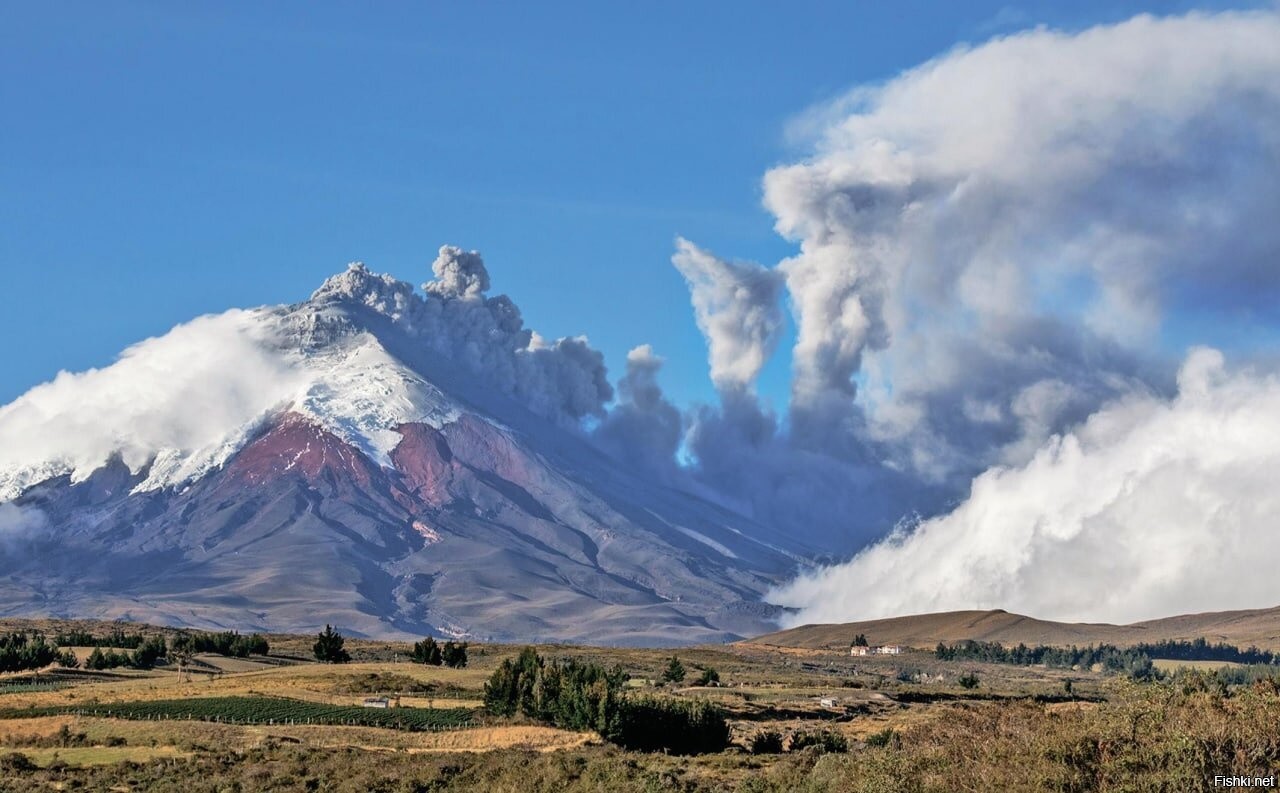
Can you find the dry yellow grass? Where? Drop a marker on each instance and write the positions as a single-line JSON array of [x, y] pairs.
[[179, 735], [102, 755], [1165, 665], [311, 682]]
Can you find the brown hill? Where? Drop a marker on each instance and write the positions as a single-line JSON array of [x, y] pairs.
[[1258, 627]]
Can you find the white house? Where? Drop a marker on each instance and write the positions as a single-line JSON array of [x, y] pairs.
[[858, 650], [888, 649], [827, 702], [377, 702]]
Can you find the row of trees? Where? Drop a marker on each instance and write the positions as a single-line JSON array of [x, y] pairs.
[[1130, 661], [1201, 650], [144, 656], [225, 643], [577, 695], [22, 651], [116, 638], [432, 653]]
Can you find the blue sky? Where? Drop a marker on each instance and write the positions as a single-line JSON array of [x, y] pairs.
[[159, 161]]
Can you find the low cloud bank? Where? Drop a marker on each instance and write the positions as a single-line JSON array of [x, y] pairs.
[[1149, 508]]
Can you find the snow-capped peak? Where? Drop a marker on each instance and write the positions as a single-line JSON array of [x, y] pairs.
[[180, 405]]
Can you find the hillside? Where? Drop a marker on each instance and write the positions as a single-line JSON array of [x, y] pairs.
[[1259, 627]]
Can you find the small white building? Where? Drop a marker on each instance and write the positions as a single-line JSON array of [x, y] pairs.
[[857, 650], [377, 702], [827, 702], [888, 649]]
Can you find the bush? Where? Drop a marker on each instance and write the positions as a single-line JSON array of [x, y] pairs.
[[885, 737], [968, 680], [767, 742], [710, 677], [668, 725], [821, 740], [17, 761]]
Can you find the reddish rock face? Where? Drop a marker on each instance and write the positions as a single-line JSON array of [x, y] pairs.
[[299, 447], [482, 446], [425, 463]]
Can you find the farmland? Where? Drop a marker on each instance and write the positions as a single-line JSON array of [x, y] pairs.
[[283, 723]]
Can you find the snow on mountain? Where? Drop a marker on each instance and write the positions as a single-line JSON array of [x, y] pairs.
[[183, 403]]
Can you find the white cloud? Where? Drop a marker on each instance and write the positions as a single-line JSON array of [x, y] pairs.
[[182, 391], [1152, 507], [20, 526]]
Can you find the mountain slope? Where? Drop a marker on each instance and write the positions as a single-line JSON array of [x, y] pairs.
[[391, 462], [1257, 627]]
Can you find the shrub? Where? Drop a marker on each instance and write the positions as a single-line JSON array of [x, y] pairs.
[[885, 737], [17, 761], [767, 742], [968, 680], [668, 725], [821, 740], [710, 677]]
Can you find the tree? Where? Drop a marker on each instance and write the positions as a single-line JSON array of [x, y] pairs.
[[96, 660], [328, 647], [674, 673], [860, 640], [710, 677], [148, 652], [428, 652], [969, 680], [454, 655]]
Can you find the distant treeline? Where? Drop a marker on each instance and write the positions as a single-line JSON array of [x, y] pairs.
[[1128, 661], [1201, 650], [224, 643], [117, 638], [1134, 661]]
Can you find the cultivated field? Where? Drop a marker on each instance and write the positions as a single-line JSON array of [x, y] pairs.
[[285, 723]]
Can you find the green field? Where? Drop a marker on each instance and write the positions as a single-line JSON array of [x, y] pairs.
[[260, 710]]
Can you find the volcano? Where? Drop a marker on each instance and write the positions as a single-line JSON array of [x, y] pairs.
[[392, 461]]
